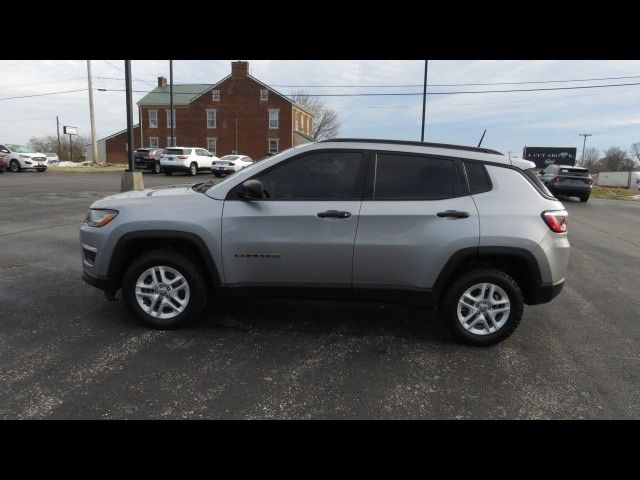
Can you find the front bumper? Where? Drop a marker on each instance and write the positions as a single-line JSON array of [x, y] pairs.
[[544, 293], [103, 283]]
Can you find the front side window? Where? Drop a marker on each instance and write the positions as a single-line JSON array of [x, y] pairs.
[[153, 142], [212, 144], [171, 119], [153, 119], [211, 119], [315, 176], [273, 118], [414, 177]]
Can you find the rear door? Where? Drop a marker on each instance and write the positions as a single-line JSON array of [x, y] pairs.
[[302, 233], [416, 216]]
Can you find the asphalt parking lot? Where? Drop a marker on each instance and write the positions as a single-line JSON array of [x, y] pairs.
[[65, 352]]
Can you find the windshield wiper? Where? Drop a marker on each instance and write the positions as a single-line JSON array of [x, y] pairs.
[[202, 187]]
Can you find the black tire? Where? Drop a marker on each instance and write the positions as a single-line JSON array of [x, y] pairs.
[[193, 169], [184, 265], [40, 169], [14, 166], [584, 198], [168, 172], [3, 169], [156, 168], [449, 305], [216, 174]]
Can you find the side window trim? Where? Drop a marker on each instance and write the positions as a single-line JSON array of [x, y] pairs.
[[360, 181]]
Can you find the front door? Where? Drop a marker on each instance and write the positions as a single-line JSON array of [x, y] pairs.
[[304, 229]]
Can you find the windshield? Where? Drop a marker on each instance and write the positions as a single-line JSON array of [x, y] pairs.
[[577, 172], [20, 148]]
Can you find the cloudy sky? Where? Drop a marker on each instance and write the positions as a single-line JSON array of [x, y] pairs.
[[512, 120]]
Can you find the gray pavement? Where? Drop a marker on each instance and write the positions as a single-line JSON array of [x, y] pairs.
[[65, 352]]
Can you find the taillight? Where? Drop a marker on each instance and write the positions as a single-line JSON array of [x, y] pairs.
[[555, 179], [556, 220], [149, 157], [183, 157], [590, 181]]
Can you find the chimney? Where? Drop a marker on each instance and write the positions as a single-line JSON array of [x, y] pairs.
[[162, 82], [239, 69]]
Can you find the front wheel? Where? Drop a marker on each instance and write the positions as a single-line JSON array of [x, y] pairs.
[[193, 169], [164, 289], [168, 172], [482, 307], [14, 166], [156, 167], [40, 169], [584, 198]]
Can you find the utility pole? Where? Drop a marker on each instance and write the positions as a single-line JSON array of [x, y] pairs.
[[131, 180], [585, 135], [236, 150], [58, 130], [424, 98], [171, 115], [94, 145]]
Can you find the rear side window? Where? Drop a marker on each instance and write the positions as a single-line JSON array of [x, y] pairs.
[[478, 177], [533, 176], [414, 177]]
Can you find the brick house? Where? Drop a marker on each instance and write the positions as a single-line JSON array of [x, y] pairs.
[[239, 114]]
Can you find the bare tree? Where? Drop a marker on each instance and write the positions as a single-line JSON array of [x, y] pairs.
[[591, 156], [325, 119], [635, 151], [49, 144], [615, 159]]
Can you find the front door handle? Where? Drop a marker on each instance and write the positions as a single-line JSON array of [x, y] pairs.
[[334, 214], [453, 214]]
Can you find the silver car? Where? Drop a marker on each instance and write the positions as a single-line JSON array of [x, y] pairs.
[[461, 228]]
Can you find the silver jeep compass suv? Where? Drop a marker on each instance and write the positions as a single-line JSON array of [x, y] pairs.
[[465, 229]]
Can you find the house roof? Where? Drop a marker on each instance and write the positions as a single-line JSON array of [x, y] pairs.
[[137, 125], [183, 94]]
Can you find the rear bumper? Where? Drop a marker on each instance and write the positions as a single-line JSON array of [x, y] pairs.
[[544, 293], [570, 190], [144, 163]]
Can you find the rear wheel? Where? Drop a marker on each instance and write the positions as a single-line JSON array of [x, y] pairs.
[[584, 198], [216, 174], [482, 307], [156, 167], [14, 166], [167, 172], [164, 289], [40, 169], [193, 169]]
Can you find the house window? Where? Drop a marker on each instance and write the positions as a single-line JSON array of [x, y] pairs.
[[264, 94], [171, 119], [153, 142], [273, 118], [216, 95], [153, 119], [274, 145], [212, 145], [211, 119], [297, 122], [170, 143]]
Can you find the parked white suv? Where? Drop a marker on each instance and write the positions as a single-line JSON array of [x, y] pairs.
[[186, 159], [21, 157], [230, 164]]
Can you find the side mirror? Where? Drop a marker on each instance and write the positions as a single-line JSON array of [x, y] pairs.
[[251, 190]]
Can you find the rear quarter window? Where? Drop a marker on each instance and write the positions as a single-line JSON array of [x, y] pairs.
[[478, 177], [533, 176]]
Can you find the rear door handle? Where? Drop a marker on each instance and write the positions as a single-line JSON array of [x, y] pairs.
[[334, 214], [453, 214]]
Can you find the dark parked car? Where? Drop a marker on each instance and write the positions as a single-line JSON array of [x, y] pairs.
[[3, 163], [568, 181], [148, 159]]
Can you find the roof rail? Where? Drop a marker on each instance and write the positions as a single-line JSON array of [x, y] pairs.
[[419, 144]]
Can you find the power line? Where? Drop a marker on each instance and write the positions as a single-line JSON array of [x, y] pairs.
[[454, 92], [45, 94], [134, 78], [42, 83]]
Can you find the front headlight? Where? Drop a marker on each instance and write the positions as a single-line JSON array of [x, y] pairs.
[[99, 217]]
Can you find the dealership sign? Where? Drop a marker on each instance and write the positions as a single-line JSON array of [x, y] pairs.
[[543, 156], [70, 130]]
